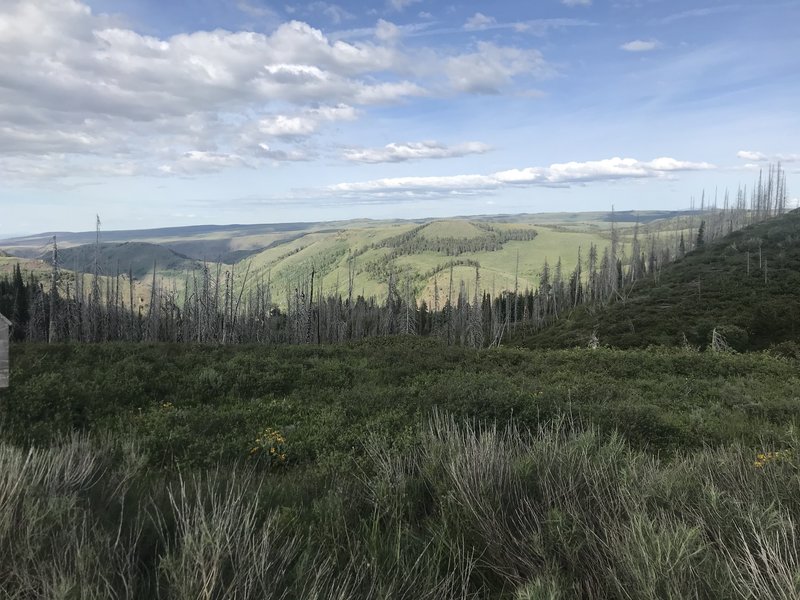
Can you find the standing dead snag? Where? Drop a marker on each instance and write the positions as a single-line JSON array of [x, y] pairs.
[[718, 342]]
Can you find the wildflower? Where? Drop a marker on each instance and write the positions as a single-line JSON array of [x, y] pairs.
[[764, 458], [270, 443]]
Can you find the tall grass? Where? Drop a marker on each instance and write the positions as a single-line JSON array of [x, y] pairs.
[[468, 512]]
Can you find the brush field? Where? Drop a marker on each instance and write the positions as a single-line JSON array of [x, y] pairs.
[[398, 468]]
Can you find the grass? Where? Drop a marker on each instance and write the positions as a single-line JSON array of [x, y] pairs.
[[38, 268], [478, 512], [328, 254], [453, 228], [398, 468]]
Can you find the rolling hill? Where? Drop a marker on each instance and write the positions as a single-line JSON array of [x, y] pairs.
[[420, 254]]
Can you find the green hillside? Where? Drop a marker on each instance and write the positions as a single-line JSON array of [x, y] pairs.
[[746, 285], [509, 250], [135, 257], [422, 254], [35, 267]]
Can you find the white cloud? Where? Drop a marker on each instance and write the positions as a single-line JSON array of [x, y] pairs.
[[640, 46], [493, 67], [277, 155], [283, 126], [383, 93], [414, 151], [761, 157], [80, 84], [196, 162], [387, 31], [418, 184], [306, 123], [479, 21], [750, 155], [559, 174], [577, 2], [598, 170]]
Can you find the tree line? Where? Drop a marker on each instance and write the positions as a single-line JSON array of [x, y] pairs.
[[411, 242]]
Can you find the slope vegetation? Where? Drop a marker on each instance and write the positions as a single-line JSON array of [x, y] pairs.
[[746, 286], [139, 258]]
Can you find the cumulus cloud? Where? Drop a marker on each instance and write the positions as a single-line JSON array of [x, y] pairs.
[[80, 84], [598, 170], [479, 21], [640, 46], [414, 151], [306, 123], [559, 174]]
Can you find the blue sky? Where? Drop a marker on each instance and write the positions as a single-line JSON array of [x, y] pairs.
[[154, 113]]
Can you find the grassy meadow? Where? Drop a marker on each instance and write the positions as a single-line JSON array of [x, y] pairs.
[[398, 468]]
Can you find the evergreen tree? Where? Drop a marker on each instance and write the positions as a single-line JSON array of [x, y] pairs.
[[701, 236], [21, 310]]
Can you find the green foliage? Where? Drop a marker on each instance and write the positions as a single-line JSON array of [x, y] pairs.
[[467, 511], [196, 405], [746, 283]]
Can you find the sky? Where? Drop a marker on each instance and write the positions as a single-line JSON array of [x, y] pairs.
[[152, 114]]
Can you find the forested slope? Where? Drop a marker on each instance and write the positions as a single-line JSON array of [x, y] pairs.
[[137, 258], [746, 285]]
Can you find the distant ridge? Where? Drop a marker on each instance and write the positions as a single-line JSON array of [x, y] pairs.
[[73, 238]]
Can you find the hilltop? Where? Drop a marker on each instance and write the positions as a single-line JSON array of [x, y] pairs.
[[745, 285]]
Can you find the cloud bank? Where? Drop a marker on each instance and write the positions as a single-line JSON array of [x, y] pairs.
[[556, 175]]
